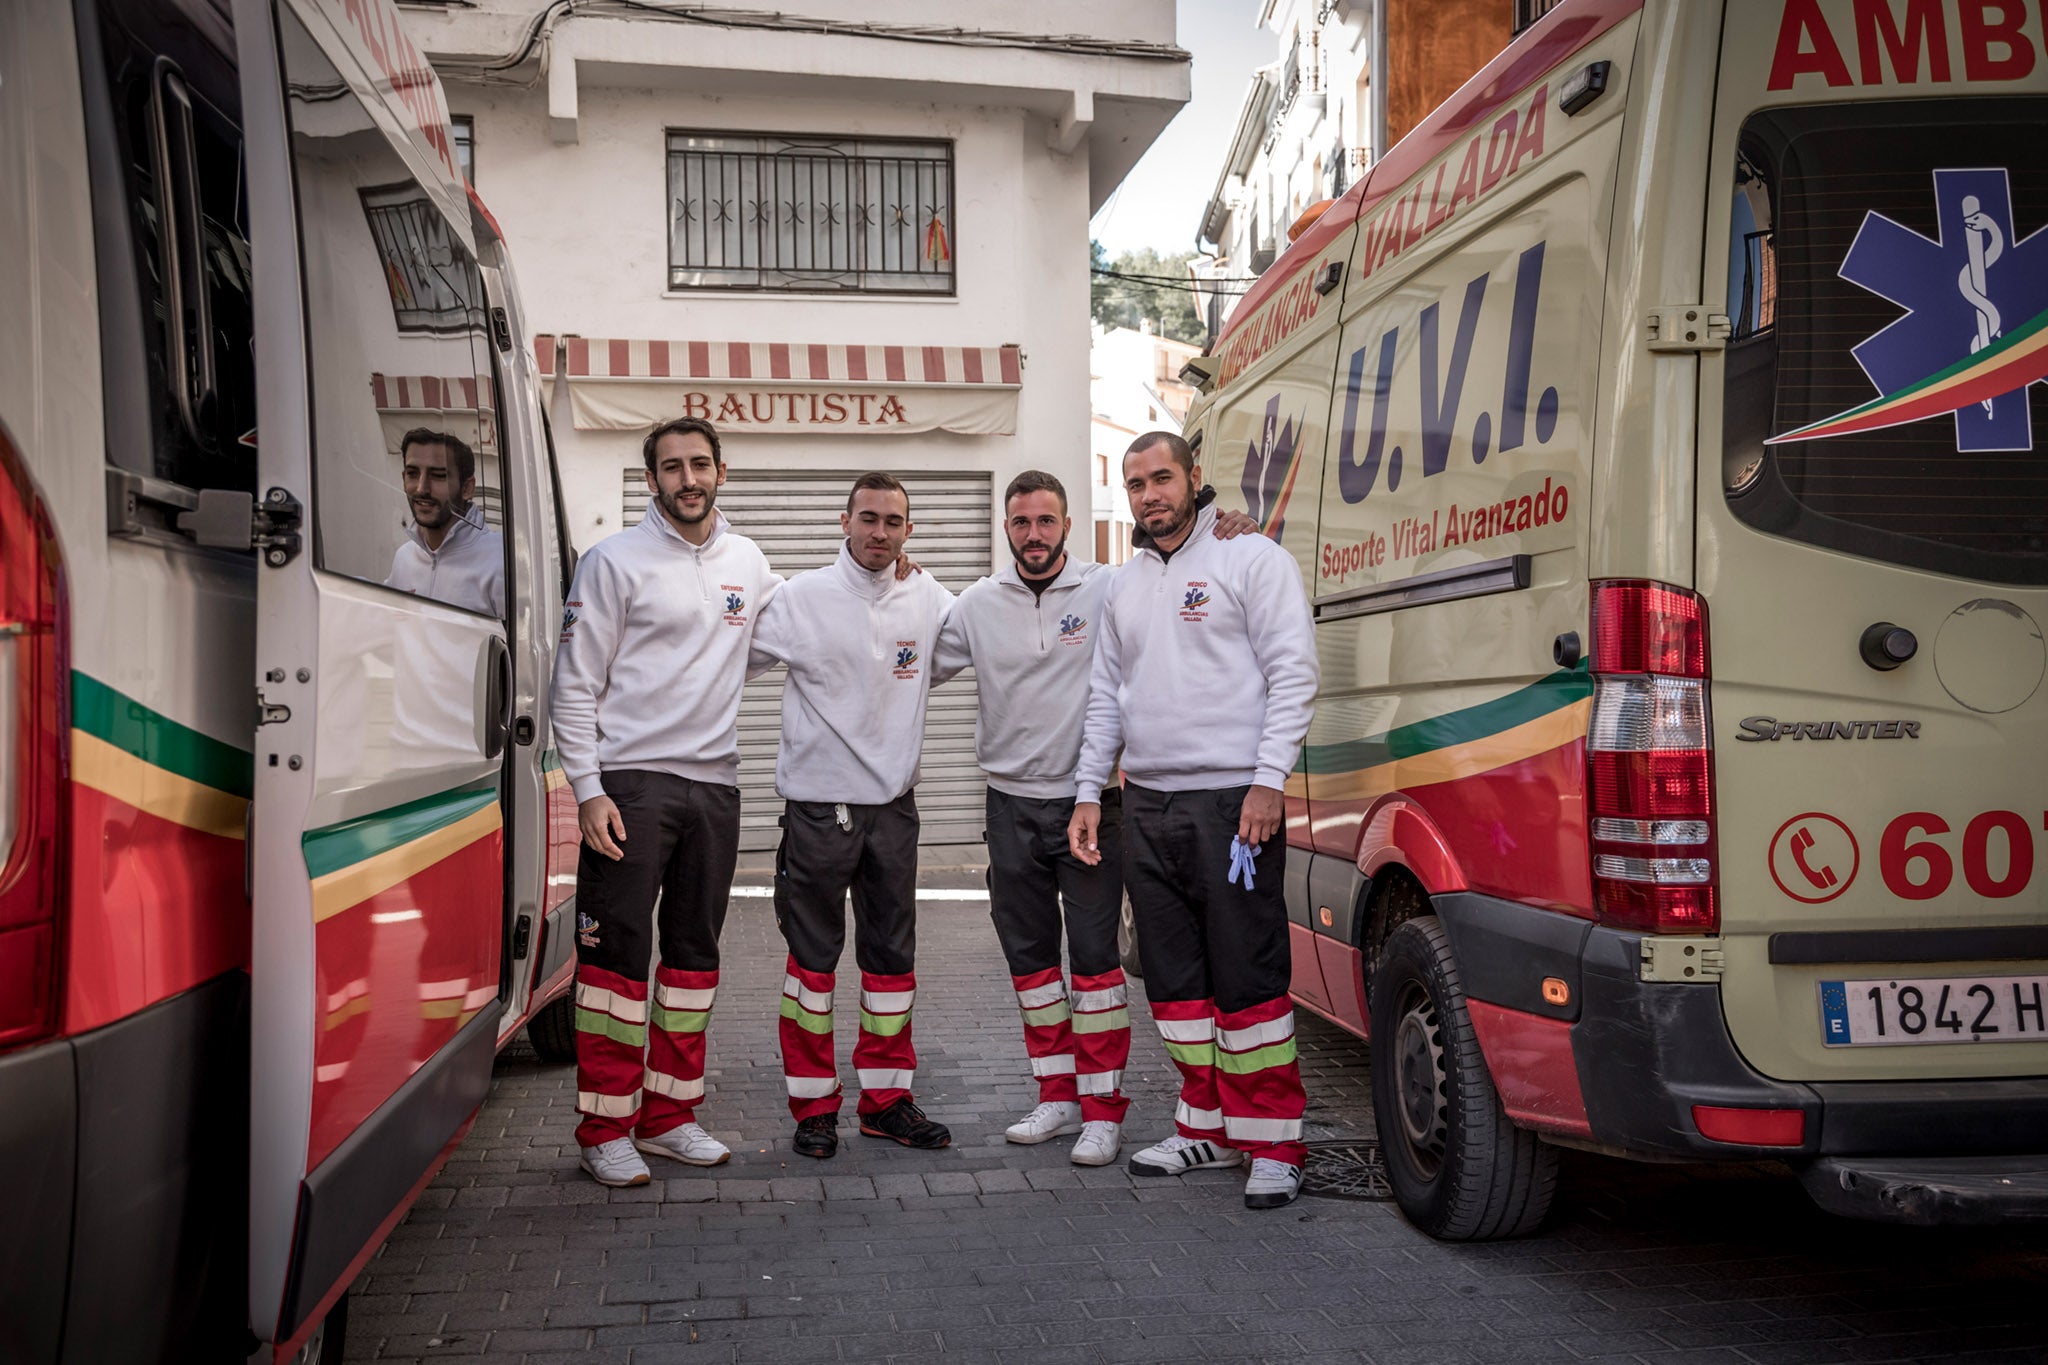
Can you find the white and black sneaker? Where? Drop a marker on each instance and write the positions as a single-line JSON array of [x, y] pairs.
[[1273, 1184], [1178, 1155]]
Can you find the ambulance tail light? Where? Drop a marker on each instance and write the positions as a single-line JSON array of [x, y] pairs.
[[1649, 758], [32, 757]]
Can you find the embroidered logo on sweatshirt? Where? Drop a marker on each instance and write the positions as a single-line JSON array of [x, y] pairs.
[[570, 617], [1073, 630], [906, 659], [1191, 606], [735, 604]]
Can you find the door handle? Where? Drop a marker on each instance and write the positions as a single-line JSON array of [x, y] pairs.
[[498, 698]]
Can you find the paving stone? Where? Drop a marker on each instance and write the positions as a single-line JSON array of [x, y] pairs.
[[989, 1253]]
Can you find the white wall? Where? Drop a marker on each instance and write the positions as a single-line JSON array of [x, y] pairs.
[[586, 224]]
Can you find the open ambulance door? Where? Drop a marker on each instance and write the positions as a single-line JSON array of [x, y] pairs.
[[383, 689]]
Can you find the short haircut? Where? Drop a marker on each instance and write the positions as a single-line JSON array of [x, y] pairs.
[[1035, 481], [878, 479], [460, 456], [1183, 453], [681, 426]]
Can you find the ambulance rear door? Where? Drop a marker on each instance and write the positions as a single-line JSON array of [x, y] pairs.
[[384, 681], [1873, 538]]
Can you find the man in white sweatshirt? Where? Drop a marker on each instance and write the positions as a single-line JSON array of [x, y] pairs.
[[858, 641], [449, 554], [1205, 675], [655, 642], [1029, 634]]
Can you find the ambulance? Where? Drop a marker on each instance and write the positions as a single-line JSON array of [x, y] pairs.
[[283, 856], [1661, 432]]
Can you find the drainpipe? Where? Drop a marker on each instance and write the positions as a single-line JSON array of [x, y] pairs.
[[1379, 79]]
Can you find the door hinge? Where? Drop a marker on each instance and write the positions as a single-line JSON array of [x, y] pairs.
[[1682, 959], [522, 938], [228, 519], [270, 712], [1686, 327]]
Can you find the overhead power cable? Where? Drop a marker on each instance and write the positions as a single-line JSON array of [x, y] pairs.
[[1164, 282], [715, 16]]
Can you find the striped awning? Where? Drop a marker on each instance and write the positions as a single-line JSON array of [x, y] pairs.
[[779, 362], [465, 406], [775, 386], [428, 392]]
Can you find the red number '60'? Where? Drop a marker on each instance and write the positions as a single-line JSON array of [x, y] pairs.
[[1899, 850], [1902, 847]]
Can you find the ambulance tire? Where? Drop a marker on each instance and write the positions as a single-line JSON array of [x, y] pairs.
[[552, 1031], [1127, 943], [1460, 1170]]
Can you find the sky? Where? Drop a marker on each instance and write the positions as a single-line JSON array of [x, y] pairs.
[[1160, 202]]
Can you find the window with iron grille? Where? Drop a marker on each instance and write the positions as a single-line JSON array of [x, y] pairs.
[[433, 283], [809, 215]]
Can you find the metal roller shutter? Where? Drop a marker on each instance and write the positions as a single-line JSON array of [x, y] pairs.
[[794, 517]]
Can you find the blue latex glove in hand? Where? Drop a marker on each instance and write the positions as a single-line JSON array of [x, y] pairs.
[[1241, 860]]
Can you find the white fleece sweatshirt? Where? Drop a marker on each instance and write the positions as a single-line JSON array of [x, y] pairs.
[[859, 649], [1031, 656], [467, 571], [655, 638], [1205, 670]]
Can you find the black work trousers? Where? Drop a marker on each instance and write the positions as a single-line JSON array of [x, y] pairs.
[[682, 842], [1200, 935], [874, 855], [1033, 877]]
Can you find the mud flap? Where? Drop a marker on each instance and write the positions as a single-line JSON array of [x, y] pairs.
[[1929, 1190]]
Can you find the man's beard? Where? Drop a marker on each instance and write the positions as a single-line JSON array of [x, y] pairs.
[[672, 504], [1182, 512], [1050, 560], [441, 515]]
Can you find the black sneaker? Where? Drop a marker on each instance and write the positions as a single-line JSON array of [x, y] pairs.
[[818, 1136], [904, 1122]]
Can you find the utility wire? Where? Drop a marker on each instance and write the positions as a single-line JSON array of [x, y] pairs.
[[1167, 282], [718, 17]]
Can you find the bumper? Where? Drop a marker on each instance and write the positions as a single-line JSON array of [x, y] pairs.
[[38, 1168], [1647, 1053], [2005, 1190]]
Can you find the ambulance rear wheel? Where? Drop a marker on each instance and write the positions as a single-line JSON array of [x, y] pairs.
[[1460, 1169], [552, 1031]]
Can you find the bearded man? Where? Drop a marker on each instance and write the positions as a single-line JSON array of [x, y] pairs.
[[1205, 674], [656, 635]]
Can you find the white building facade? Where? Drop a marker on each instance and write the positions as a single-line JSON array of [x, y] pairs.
[[1134, 387], [854, 238], [1306, 131]]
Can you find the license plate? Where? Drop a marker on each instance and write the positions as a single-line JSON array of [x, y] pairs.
[[1940, 1009]]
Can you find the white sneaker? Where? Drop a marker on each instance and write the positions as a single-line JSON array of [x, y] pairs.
[[1054, 1118], [1099, 1142], [687, 1143], [1273, 1184], [616, 1164], [1178, 1155]]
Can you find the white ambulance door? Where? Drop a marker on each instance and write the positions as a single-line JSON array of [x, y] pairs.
[[383, 670]]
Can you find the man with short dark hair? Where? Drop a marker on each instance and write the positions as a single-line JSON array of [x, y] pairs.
[[858, 638], [655, 643], [1029, 634], [449, 554], [1205, 675]]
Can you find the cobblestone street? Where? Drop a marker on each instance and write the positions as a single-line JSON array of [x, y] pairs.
[[989, 1252]]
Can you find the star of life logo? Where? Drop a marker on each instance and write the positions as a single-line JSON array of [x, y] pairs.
[[735, 603], [586, 930], [1192, 604], [906, 659], [1072, 626], [1975, 333], [1269, 469], [570, 617]]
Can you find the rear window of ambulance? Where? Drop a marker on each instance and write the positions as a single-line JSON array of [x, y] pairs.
[[1893, 251]]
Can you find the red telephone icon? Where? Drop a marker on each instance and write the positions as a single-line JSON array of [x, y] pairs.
[[1823, 876]]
